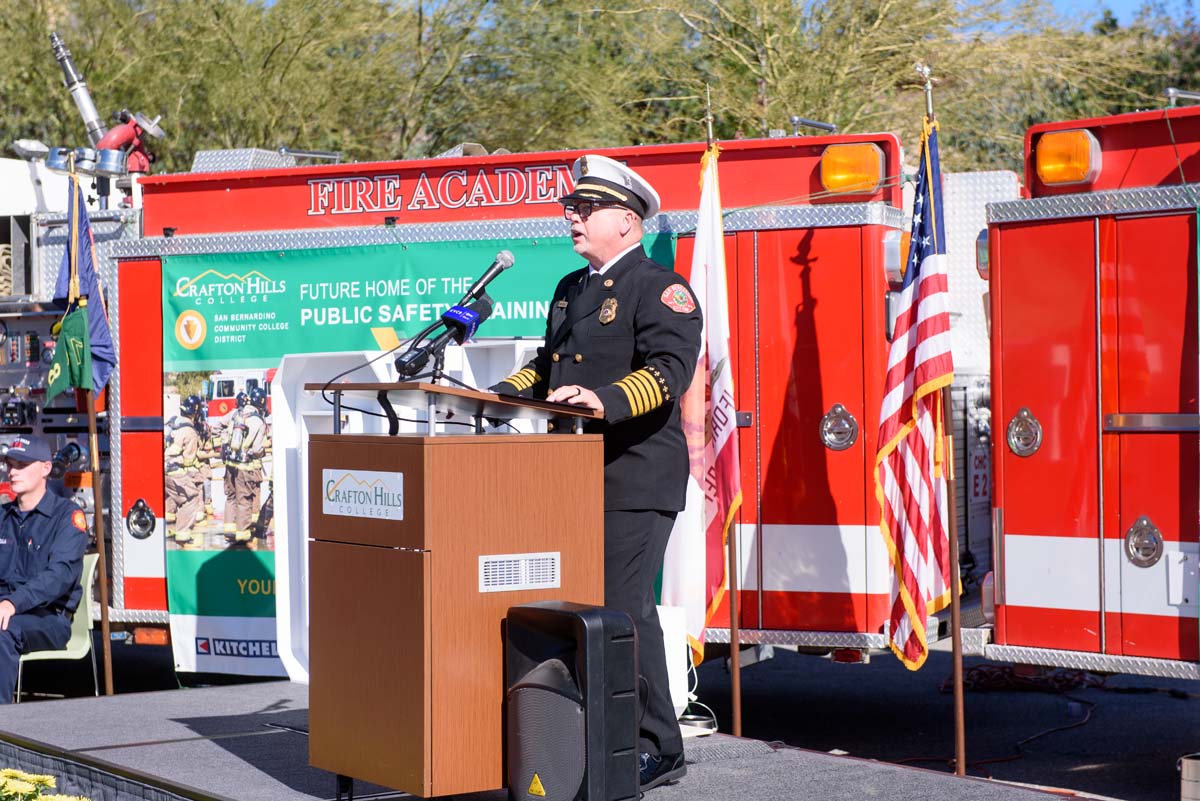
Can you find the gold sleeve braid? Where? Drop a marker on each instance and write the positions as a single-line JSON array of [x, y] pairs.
[[646, 390], [523, 379]]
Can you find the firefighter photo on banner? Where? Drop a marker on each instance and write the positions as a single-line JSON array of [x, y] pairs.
[[218, 520], [217, 454]]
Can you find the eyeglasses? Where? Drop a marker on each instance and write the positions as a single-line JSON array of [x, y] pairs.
[[585, 208]]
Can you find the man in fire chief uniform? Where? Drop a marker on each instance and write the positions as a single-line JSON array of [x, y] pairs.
[[42, 540], [623, 338], [183, 466]]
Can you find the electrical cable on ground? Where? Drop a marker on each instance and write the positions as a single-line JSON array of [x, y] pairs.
[[1002, 678], [708, 721]]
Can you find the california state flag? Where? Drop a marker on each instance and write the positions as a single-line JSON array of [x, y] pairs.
[[694, 572]]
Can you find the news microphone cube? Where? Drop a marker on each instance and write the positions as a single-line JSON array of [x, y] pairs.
[[467, 319]]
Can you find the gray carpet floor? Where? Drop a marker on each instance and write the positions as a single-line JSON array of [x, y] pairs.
[[248, 743]]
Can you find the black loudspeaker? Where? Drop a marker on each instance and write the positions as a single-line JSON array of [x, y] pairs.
[[572, 703]]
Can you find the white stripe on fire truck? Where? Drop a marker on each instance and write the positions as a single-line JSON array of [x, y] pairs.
[[144, 558], [816, 558], [1061, 573]]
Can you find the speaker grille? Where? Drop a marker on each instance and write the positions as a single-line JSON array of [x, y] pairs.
[[520, 571], [546, 740]]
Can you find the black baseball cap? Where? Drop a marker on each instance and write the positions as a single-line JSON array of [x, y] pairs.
[[29, 449]]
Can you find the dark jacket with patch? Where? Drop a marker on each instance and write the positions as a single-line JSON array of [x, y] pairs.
[[630, 336], [41, 555]]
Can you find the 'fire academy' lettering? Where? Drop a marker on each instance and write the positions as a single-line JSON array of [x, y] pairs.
[[453, 189]]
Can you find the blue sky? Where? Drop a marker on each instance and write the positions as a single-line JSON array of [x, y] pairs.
[[1125, 10]]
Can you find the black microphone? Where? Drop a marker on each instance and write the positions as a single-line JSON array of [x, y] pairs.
[[504, 260], [461, 324]]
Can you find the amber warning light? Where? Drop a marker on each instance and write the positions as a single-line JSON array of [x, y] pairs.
[[852, 169], [1067, 157]]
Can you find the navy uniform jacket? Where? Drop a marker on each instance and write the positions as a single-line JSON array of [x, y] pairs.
[[41, 558], [632, 336]]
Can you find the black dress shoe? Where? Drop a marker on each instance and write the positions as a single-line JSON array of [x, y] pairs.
[[656, 769]]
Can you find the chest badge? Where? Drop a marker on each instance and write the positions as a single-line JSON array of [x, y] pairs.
[[608, 311]]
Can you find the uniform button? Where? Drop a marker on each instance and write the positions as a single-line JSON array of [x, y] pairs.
[[554, 358], [608, 282], [578, 358], [549, 426]]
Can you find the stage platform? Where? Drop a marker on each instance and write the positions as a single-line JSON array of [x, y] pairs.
[[249, 743]]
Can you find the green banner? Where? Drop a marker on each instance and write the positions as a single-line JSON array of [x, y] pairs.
[[229, 583], [233, 310], [248, 309]]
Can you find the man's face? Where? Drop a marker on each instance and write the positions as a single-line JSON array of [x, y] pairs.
[[27, 476], [598, 236]]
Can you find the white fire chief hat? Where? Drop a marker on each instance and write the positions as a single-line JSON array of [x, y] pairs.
[[603, 180]]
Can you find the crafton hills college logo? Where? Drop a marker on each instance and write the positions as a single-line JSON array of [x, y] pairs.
[[191, 329], [363, 493]]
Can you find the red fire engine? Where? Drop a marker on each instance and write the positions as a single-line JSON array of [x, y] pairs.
[[813, 226], [1094, 397], [224, 387], [813, 231]]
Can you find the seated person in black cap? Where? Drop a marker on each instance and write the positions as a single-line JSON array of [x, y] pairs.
[[42, 540], [623, 338]]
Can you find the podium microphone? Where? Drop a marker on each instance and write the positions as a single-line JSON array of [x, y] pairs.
[[461, 323], [504, 260]]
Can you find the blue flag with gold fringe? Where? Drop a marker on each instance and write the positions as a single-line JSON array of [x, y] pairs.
[[79, 261]]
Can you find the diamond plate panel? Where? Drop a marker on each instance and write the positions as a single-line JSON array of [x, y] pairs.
[[975, 641], [249, 158], [965, 204], [107, 227], [1096, 663], [137, 616], [1143, 200], [823, 216], [811, 639], [108, 274], [340, 237]]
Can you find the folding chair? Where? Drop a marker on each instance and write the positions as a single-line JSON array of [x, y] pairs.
[[80, 644]]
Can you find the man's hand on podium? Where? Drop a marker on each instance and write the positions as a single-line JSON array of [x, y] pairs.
[[577, 396]]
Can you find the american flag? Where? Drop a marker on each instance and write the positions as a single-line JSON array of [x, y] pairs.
[[911, 469]]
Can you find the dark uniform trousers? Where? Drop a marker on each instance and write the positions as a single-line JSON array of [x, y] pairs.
[[635, 543], [38, 630], [633, 337]]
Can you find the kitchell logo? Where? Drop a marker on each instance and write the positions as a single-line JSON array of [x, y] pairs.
[[363, 493], [213, 288]]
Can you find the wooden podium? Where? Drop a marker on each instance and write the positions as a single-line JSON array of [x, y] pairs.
[[418, 546]]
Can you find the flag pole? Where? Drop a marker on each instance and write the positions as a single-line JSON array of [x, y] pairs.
[[735, 662], [73, 296], [960, 738], [102, 562]]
